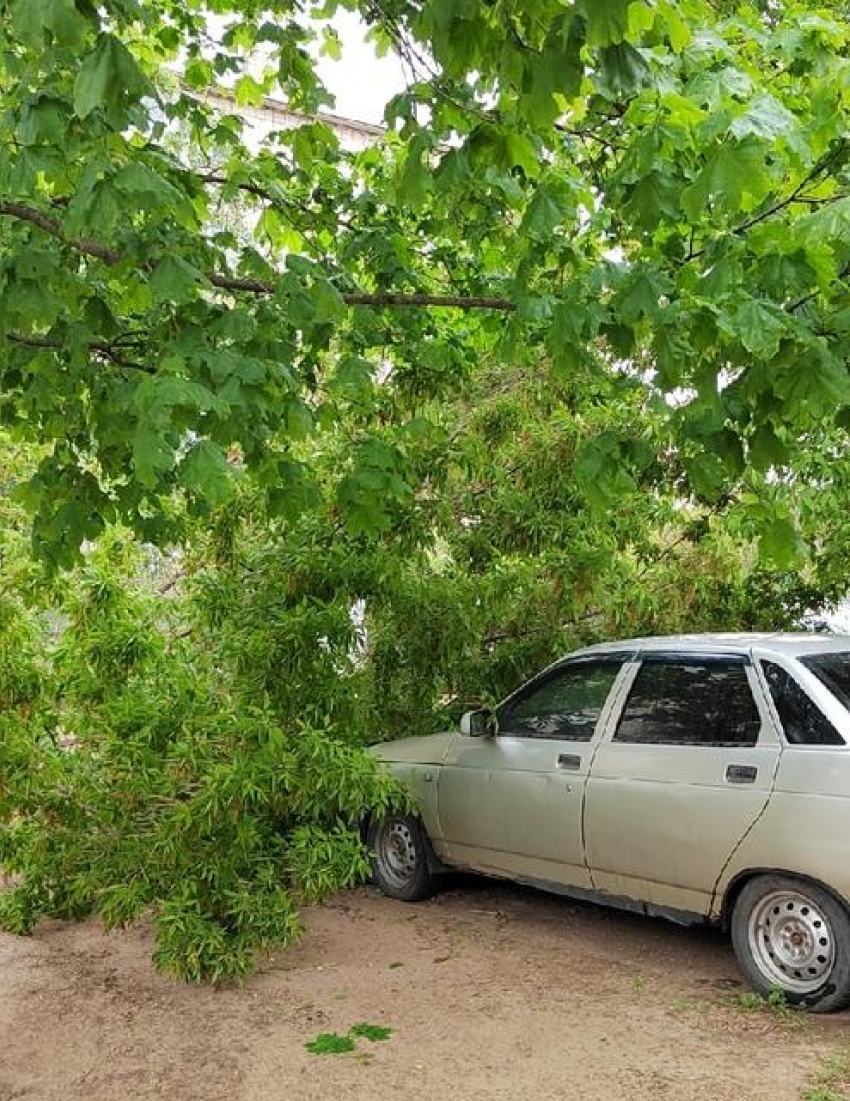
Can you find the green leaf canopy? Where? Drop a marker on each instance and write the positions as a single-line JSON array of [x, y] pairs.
[[653, 187]]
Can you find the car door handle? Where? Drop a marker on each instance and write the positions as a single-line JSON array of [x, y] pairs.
[[741, 774], [569, 761]]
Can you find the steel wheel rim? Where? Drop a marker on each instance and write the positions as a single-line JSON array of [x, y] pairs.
[[791, 941], [396, 853]]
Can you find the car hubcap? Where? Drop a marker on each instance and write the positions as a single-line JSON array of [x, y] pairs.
[[396, 853], [791, 941]]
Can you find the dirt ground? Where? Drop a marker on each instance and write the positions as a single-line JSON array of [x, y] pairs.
[[492, 992]]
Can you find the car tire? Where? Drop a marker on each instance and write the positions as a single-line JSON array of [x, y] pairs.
[[792, 935], [400, 854]]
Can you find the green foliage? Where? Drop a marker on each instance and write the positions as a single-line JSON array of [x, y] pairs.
[[371, 1032], [138, 778], [384, 511], [332, 1043], [775, 1003], [663, 186]]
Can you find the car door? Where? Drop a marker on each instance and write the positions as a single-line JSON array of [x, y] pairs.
[[688, 768], [511, 803]]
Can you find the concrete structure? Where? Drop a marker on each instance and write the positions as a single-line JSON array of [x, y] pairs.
[[274, 114]]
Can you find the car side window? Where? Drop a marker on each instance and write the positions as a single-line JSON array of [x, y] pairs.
[[802, 720], [690, 701], [566, 705]]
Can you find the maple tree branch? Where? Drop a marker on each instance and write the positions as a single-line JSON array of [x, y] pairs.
[[422, 68], [277, 201], [52, 226], [845, 271], [98, 347], [111, 256], [461, 301], [781, 204]]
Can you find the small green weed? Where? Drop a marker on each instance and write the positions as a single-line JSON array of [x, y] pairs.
[[832, 1081], [691, 1004], [370, 1032], [775, 1003], [332, 1043]]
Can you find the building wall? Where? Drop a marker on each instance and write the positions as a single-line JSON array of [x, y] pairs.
[[275, 115]]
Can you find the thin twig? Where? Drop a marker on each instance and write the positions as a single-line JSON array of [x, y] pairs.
[[260, 192], [781, 204], [98, 347]]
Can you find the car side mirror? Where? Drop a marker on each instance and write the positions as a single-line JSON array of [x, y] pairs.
[[478, 724]]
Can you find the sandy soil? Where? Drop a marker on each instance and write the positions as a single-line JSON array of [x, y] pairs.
[[492, 991]]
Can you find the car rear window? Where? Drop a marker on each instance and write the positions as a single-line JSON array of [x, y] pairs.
[[833, 670], [690, 701], [802, 720]]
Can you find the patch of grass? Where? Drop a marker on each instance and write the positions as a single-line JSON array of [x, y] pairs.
[[370, 1032], [775, 1003], [832, 1081], [693, 1005], [332, 1043]]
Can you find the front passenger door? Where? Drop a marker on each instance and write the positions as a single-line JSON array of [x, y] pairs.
[[512, 803]]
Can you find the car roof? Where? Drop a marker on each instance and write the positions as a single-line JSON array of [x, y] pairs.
[[792, 644]]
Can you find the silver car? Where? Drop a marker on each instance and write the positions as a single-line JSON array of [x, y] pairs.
[[697, 777]]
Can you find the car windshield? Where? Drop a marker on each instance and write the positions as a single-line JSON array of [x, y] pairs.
[[833, 670]]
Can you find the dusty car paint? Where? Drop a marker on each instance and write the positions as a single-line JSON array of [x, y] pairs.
[[684, 818], [654, 827]]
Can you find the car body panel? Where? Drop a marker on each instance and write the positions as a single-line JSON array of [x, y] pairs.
[[416, 762], [682, 831], [423, 749], [805, 828], [504, 805], [791, 644], [661, 821]]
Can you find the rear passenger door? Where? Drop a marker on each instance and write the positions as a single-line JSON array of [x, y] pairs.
[[686, 772]]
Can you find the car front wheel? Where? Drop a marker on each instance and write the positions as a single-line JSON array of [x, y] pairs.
[[793, 936], [400, 857]]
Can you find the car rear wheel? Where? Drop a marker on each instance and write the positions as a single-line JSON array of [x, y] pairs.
[[400, 855], [793, 936]]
